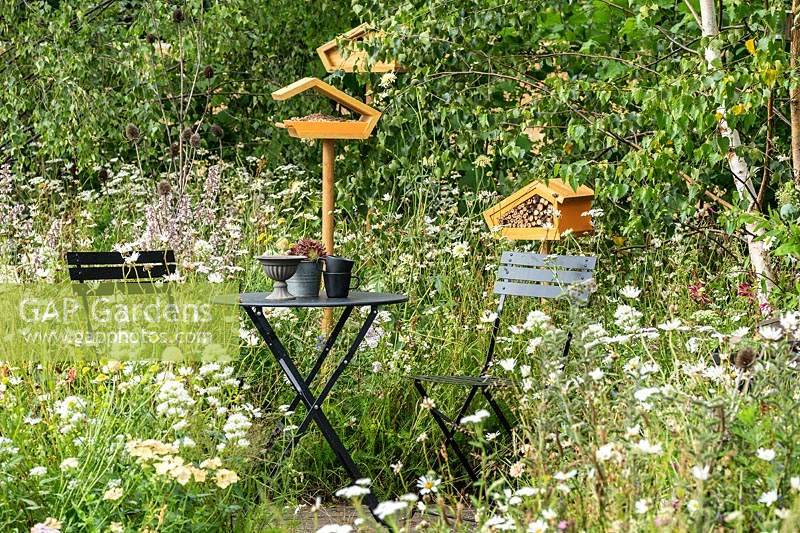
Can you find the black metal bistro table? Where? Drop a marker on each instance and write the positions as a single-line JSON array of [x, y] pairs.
[[253, 302]]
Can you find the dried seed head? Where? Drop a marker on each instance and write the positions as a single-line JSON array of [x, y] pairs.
[[745, 358], [186, 134], [178, 16], [150, 38], [102, 175], [132, 133], [208, 72], [174, 149], [217, 131], [163, 188], [194, 140]]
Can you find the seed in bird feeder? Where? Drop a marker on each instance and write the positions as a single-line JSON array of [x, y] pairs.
[[320, 117]]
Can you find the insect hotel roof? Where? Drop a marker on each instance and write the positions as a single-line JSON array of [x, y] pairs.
[[568, 206], [333, 58], [320, 127]]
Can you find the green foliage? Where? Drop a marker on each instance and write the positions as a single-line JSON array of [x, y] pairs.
[[74, 75], [619, 94], [496, 93]]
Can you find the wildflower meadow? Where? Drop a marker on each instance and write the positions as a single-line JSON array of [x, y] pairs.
[[144, 125]]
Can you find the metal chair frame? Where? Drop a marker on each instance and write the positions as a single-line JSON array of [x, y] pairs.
[[519, 274]]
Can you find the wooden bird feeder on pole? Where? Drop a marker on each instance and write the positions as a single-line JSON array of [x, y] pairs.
[[542, 212], [328, 129], [346, 53]]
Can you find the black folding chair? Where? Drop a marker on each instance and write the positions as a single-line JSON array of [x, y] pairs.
[[519, 274], [137, 274]]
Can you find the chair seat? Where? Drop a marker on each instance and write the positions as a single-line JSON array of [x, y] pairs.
[[477, 381]]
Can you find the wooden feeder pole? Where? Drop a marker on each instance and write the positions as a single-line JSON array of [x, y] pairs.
[[545, 248], [328, 200], [328, 194]]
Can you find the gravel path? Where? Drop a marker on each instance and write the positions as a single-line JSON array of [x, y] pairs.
[[307, 522]]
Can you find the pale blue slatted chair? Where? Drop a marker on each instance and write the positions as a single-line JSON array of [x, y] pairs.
[[519, 275]]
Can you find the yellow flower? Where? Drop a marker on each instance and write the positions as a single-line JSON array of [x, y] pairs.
[[182, 474], [750, 44], [619, 240], [113, 494], [282, 244], [224, 478], [116, 527], [211, 464], [199, 474], [146, 450], [739, 109], [482, 161]]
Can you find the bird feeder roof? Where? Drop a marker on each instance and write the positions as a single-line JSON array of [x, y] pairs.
[[561, 191], [315, 128], [331, 53]]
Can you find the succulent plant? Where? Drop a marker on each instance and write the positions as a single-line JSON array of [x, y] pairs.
[[310, 248]]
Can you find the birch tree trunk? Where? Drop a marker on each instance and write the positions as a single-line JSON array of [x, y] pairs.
[[743, 180], [794, 93]]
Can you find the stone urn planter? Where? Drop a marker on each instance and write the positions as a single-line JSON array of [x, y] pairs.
[[279, 268], [307, 281]]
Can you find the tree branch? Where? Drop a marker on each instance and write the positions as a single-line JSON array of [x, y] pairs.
[[762, 189], [694, 13]]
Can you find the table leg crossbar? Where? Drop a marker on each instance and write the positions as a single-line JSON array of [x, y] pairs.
[[323, 355], [302, 385]]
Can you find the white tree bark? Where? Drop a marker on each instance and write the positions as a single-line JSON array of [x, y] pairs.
[[743, 180], [794, 93]]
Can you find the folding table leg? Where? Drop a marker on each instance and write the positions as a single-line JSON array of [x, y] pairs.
[[329, 343], [567, 345], [448, 434], [340, 368], [299, 385]]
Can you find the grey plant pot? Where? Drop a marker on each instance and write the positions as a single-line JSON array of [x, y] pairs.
[[307, 280]]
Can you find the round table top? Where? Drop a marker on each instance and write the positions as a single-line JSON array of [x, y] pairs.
[[355, 299]]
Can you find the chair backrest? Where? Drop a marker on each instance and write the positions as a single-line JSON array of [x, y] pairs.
[[545, 276], [133, 274], [539, 276], [146, 267]]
